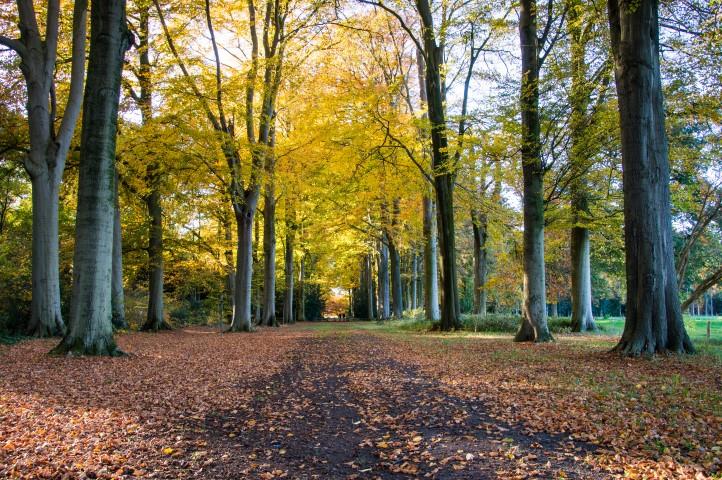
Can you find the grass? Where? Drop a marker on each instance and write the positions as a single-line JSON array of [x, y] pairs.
[[696, 328], [504, 326]]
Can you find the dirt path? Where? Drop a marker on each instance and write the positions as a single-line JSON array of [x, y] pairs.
[[342, 408]]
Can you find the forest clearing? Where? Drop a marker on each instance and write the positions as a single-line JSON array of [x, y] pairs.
[[361, 239]]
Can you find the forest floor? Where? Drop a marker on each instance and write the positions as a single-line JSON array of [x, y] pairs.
[[357, 401]]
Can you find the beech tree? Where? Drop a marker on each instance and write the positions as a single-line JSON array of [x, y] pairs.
[[90, 328], [653, 315], [579, 30], [534, 317], [152, 198], [49, 145]]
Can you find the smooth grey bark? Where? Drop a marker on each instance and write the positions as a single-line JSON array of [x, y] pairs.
[[244, 263], [443, 168], [288, 316], [431, 268], [581, 293], [479, 224], [258, 296], [414, 281], [554, 309], [269, 254], [384, 308], [90, 329], [396, 288], [45, 161], [230, 270], [368, 262], [301, 309], [582, 318], [534, 316], [118, 293], [653, 315], [395, 260], [46, 319]]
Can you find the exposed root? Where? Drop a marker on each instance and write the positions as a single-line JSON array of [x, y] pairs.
[[77, 347], [155, 326]]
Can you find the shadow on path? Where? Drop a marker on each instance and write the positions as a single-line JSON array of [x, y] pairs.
[[343, 408]]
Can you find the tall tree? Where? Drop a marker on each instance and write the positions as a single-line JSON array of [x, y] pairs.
[[144, 100], [45, 162], [288, 316], [118, 292], [390, 235], [442, 166], [244, 193], [384, 307], [431, 265], [579, 99], [534, 317], [480, 225], [653, 314], [269, 246], [90, 329]]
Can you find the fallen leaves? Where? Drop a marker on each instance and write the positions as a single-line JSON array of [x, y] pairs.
[[292, 403]]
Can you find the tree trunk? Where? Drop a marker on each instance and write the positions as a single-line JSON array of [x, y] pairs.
[[231, 274], [383, 281], [479, 225], [370, 285], [45, 161], [301, 309], [582, 317], [431, 266], [118, 293], [288, 262], [155, 314], [414, 281], [90, 328], [258, 295], [653, 314], [396, 288], [442, 167], [245, 213], [46, 319], [154, 320], [269, 255], [534, 316]]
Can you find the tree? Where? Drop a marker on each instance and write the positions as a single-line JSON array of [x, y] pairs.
[[152, 198], [579, 99], [288, 312], [45, 162], [431, 268], [442, 167], [653, 315], [534, 318], [90, 329], [391, 236], [118, 292]]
